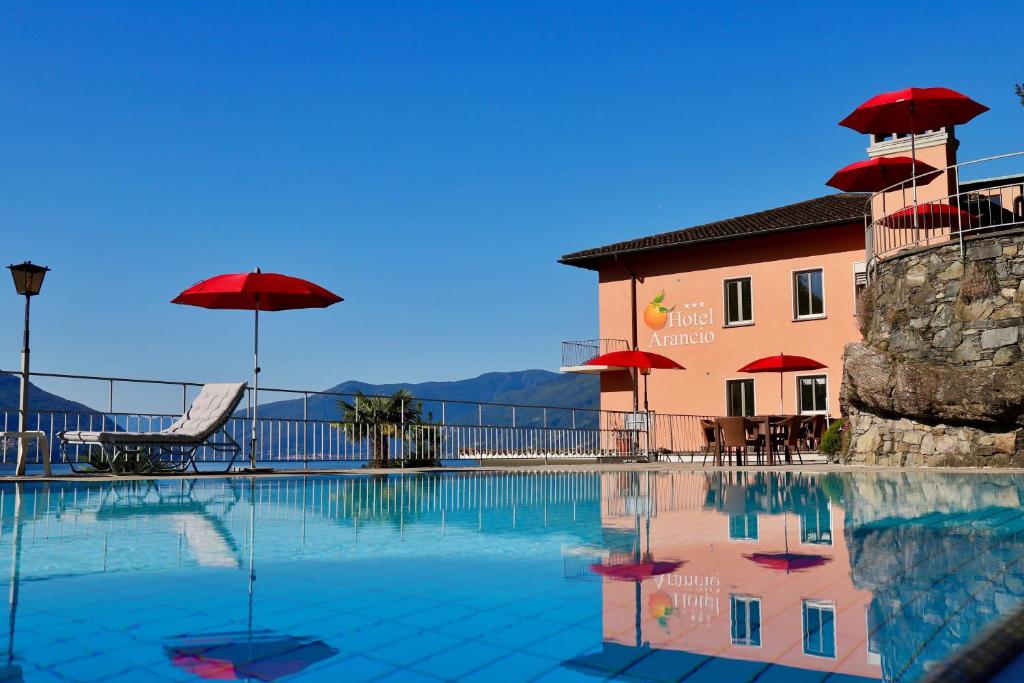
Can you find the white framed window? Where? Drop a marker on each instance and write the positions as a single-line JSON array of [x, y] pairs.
[[809, 294], [739, 305], [819, 622], [745, 620], [739, 397], [860, 280], [743, 527], [816, 524], [812, 394]]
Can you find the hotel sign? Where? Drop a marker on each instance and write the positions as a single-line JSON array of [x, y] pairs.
[[685, 327]]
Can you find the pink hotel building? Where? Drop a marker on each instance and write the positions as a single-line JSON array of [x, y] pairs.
[[780, 280]]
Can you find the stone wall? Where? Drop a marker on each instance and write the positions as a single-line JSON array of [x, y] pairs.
[[939, 378]]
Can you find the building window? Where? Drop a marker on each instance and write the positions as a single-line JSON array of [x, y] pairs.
[[745, 620], [739, 395], [739, 309], [808, 294], [743, 527], [819, 628], [860, 281], [816, 524], [812, 392]]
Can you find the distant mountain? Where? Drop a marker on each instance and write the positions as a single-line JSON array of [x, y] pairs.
[[38, 399], [45, 409], [525, 387]]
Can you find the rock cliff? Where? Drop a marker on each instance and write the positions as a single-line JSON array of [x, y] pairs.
[[939, 377]]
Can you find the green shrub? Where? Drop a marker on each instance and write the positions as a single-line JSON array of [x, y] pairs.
[[832, 439]]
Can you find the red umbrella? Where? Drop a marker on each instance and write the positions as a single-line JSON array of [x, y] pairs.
[[636, 571], [263, 657], [873, 175], [780, 364], [787, 561], [913, 111], [644, 361], [256, 291], [930, 216]]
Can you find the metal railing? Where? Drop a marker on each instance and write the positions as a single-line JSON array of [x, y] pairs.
[[447, 431], [893, 223], [576, 353]]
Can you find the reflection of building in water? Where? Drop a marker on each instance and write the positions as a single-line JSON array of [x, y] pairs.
[[765, 579]]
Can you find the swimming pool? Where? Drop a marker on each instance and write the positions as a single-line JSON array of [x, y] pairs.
[[484, 576]]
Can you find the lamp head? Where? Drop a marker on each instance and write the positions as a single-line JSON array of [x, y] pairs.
[[28, 277]]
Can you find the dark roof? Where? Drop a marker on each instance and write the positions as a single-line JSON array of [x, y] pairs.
[[832, 209]]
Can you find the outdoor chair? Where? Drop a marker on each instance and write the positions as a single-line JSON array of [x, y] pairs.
[[792, 433], [734, 432], [709, 431], [170, 450], [815, 427]]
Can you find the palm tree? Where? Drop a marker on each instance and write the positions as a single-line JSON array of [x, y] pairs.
[[377, 419]]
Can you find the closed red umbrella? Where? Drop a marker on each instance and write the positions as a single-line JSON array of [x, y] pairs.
[[913, 111], [873, 175], [256, 291], [930, 216], [644, 361], [782, 363]]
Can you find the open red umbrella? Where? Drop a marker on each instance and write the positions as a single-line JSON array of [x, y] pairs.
[[644, 361], [262, 656], [256, 291], [930, 216], [636, 571], [787, 561], [873, 175], [780, 364], [913, 111]]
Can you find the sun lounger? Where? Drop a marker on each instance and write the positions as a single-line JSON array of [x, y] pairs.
[[171, 449]]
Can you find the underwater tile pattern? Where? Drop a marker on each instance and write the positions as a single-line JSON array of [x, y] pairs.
[[569, 576]]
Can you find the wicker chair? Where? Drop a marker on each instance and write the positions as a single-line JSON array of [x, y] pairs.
[[710, 432], [735, 435]]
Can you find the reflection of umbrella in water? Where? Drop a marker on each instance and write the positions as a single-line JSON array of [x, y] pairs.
[[248, 655], [643, 566], [261, 656], [787, 561]]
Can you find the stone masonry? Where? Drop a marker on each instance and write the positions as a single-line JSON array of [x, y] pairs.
[[939, 377]]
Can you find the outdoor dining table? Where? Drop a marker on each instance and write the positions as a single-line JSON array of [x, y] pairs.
[[764, 428]]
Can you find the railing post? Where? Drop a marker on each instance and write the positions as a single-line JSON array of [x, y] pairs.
[[402, 439], [959, 213], [184, 398], [305, 429]]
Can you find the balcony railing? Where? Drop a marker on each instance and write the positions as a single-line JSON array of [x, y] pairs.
[[975, 207], [450, 431], [576, 353]]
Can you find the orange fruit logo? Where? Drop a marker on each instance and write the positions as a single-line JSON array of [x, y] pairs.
[[660, 608], [656, 315]]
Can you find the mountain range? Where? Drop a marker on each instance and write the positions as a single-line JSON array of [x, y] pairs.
[[521, 388]]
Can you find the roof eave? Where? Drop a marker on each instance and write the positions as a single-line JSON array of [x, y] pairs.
[[593, 259]]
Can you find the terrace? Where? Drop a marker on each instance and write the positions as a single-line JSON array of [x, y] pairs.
[[310, 432]]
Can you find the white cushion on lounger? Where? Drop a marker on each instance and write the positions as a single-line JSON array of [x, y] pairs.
[[126, 437]]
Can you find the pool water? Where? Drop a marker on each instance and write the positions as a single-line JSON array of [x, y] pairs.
[[483, 576]]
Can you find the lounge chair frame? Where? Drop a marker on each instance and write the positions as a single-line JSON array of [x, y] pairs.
[[156, 454]]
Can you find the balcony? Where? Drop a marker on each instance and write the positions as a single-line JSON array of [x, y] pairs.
[[956, 203], [576, 353]]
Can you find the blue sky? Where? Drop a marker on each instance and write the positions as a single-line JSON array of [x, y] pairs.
[[427, 161]]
